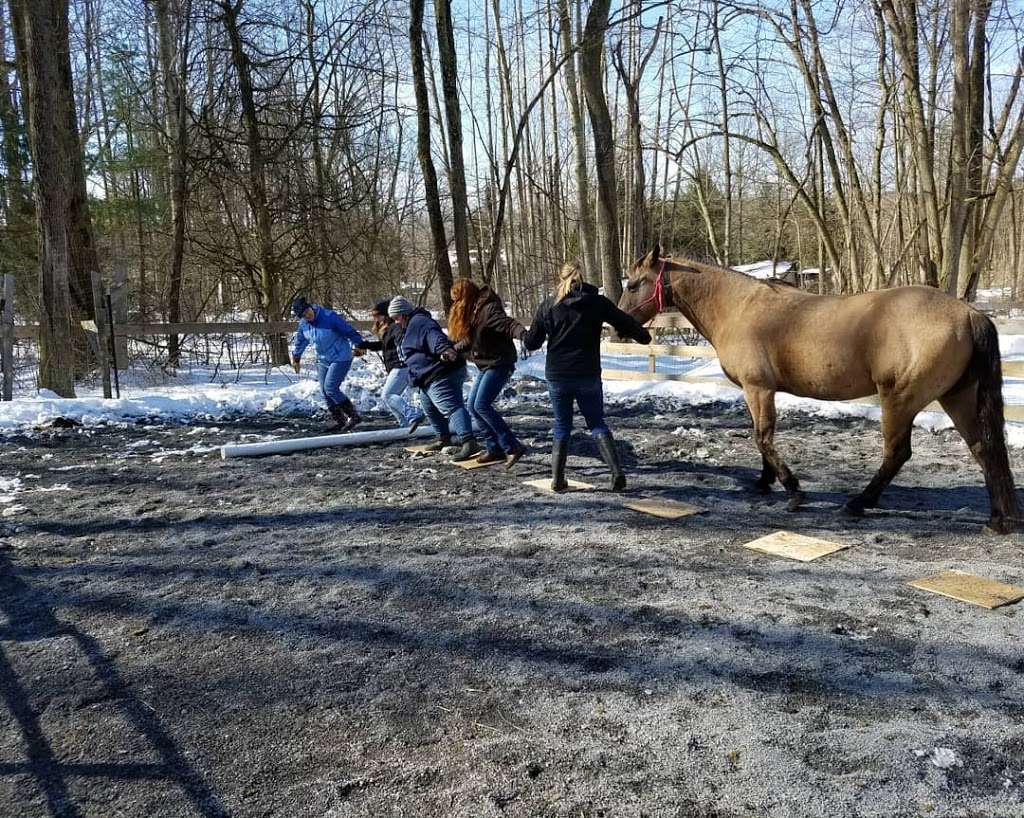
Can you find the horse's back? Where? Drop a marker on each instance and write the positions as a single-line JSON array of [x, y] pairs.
[[843, 347]]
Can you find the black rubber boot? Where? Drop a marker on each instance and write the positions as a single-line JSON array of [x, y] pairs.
[[340, 418], [354, 417], [610, 455], [470, 449], [559, 452], [438, 443]]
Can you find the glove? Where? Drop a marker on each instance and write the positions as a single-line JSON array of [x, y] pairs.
[[359, 352], [449, 355], [524, 353], [296, 365]]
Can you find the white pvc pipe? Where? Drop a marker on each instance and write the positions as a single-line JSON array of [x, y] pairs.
[[301, 443]]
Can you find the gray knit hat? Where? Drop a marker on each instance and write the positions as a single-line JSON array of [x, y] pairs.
[[400, 305]]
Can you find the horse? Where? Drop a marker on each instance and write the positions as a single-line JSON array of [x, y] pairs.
[[907, 345]]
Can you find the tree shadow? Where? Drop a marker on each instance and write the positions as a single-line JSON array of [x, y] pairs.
[[30, 619]]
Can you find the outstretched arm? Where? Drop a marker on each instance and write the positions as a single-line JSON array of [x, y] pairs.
[[537, 334], [624, 324], [344, 328]]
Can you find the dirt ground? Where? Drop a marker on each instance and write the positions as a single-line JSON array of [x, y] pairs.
[[361, 633]]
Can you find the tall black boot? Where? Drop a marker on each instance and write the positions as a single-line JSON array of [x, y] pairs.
[[606, 445], [559, 452], [353, 414], [470, 449], [340, 418]]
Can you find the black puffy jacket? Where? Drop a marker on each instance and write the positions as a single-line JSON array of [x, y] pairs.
[[389, 346], [572, 328]]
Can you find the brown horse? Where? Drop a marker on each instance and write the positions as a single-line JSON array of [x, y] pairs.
[[908, 345]]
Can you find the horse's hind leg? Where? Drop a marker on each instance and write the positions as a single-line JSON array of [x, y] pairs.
[[897, 422], [962, 408], [761, 403]]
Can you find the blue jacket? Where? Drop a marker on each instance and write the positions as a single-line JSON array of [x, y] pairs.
[[422, 345], [330, 335]]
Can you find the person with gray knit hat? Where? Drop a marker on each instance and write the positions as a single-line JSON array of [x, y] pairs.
[[439, 371]]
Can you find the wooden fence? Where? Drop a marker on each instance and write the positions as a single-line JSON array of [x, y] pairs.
[[1012, 369], [662, 323]]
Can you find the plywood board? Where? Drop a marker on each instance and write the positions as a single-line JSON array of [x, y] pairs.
[[423, 448], [794, 546], [476, 464], [544, 484], [666, 509], [970, 588]]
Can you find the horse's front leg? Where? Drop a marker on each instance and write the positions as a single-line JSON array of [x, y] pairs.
[[761, 403], [898, 415]]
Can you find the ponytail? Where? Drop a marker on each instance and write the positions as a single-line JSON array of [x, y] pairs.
[[570, 277]]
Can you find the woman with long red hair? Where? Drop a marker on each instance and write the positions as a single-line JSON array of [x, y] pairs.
[[477, 324]]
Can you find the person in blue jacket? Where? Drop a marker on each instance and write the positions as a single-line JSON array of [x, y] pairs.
[[439, 371], [333, 338]]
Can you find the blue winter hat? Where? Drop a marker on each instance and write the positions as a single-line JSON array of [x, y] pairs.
[[299, 306]]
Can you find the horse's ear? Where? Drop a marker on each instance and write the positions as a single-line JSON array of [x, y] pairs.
[[652, 256]]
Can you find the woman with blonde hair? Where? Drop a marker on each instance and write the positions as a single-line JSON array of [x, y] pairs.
[[477, 324], [571, 323]]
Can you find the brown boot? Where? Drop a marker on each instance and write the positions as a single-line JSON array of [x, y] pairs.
[[340, 418], [491, 457]]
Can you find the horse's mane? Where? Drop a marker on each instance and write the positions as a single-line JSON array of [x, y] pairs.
[[774, 284]]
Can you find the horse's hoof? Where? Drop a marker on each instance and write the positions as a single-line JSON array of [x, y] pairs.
[[795, 501], [762, 487], [852, 510]]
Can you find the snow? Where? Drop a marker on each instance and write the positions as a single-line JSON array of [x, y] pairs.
[[208, 394], [765, 269]]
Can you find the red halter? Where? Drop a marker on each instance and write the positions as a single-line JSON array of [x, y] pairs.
[[662, 295]]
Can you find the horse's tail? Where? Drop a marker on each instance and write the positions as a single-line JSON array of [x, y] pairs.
[[986, 367]]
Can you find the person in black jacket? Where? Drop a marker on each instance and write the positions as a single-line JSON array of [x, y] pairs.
[[389, 343], [571, 323], [477, 323]]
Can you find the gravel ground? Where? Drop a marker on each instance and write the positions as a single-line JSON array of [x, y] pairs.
[[363, 633]]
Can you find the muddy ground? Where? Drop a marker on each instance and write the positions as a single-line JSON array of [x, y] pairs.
[[361, 633]]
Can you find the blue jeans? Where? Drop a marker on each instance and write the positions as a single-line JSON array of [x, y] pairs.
[[444, 406], [589, 396], [497, 435], [331, 375], [393, 395]]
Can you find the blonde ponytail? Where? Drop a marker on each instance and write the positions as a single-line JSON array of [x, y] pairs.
[[569, 277]]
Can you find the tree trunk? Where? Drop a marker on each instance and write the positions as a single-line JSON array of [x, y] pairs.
[[453, 113], [592, 75], [66, 251], [442, 266], [270, 276], [173, 36]]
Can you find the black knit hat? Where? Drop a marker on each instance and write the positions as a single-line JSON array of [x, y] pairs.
[[299, 306], [381, 307]]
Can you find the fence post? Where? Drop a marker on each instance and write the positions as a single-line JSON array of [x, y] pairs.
[[113, 344], [99, 315], [7, 336]]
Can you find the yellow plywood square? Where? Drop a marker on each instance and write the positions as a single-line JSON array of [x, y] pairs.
[[476, 464], [667, 509], [422, 448], [544, 484], [794, 546], [968, 588]]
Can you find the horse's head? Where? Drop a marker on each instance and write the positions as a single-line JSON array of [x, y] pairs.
[[645, 294]]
